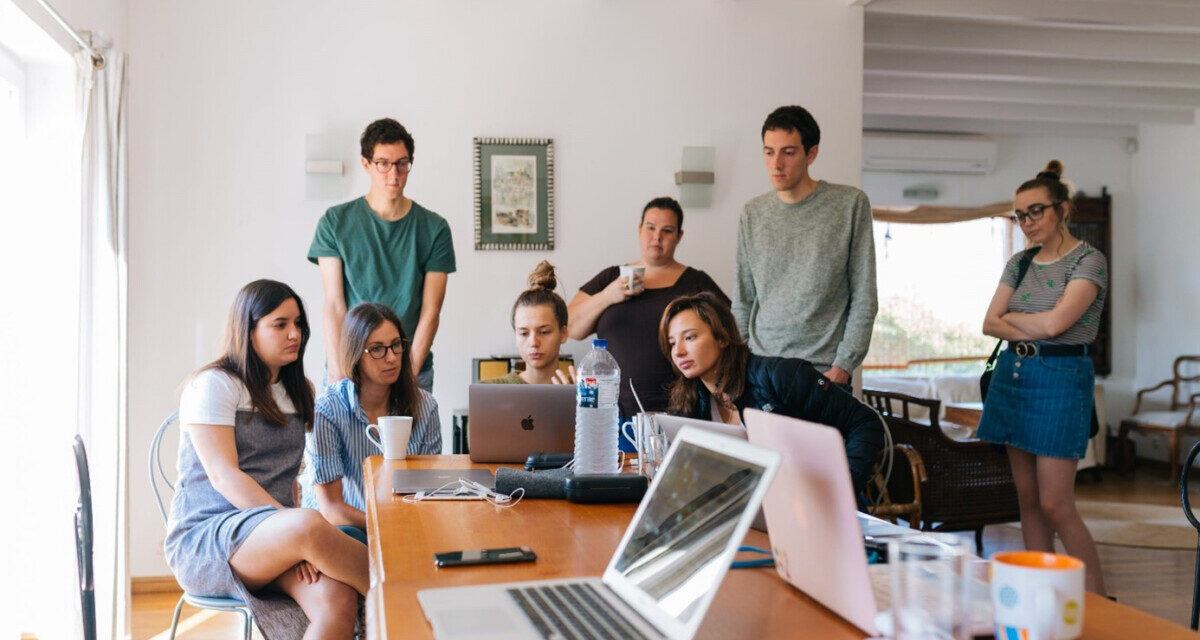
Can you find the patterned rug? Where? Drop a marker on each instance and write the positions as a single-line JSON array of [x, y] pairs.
[[1137, 525]]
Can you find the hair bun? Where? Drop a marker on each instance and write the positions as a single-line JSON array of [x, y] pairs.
[[542, 276], [1053, 170]]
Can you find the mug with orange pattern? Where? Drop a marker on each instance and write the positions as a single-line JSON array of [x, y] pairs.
[[1037, 596]]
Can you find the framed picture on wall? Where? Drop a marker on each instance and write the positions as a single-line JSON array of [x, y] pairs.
[[514, 193]]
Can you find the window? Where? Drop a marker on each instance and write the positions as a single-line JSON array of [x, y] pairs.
[[40, 215], [935, 282]]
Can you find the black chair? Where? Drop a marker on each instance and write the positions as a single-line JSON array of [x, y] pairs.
[[83, 543], [1187, 511]]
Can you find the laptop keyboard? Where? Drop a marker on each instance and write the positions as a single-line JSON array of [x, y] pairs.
[[573, 611]]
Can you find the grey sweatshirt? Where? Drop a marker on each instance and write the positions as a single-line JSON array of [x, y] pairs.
[[806, 276]]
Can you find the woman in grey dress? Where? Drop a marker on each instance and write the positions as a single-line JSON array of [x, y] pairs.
[[234, 529]]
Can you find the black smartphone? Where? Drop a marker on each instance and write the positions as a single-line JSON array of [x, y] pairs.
[[484, 556]]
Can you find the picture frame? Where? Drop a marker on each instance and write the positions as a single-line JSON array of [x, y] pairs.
[[514, 193]]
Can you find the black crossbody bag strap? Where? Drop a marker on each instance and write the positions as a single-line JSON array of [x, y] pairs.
[[986, 379]]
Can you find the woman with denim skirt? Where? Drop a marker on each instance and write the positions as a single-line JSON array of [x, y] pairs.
[[1039, 402]]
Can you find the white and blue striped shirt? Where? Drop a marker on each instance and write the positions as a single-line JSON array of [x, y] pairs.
[[337, 445]]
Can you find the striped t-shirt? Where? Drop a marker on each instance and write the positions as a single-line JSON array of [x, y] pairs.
[[337, 445], [1044, 285]]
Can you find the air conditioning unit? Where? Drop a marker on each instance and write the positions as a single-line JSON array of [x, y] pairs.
[[926, 153]]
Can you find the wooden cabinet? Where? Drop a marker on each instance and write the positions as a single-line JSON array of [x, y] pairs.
[[1092, 221]]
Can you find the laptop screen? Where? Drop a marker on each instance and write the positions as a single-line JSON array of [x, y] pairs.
[[674, 551]]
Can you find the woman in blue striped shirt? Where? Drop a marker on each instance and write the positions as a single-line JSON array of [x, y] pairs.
[[381, 382]]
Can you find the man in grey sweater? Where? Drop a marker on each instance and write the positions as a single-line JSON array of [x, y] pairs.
[[805, 257]]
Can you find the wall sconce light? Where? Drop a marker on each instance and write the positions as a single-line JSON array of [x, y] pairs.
[[697, 177], [325, 167]]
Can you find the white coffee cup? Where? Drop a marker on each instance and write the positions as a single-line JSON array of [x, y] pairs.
[[1037, 595], [632, 273], [394, 432]]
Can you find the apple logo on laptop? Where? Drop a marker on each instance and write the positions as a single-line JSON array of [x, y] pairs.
[[527, 423]]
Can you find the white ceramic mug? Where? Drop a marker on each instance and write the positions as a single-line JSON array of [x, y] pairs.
[[633, 273], [394, 432], [1037, 595]]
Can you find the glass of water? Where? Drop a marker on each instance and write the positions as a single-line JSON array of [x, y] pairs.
[[655, 449], [929, 580]]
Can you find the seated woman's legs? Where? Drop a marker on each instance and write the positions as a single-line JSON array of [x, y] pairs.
[[293, 535], [331, 606]]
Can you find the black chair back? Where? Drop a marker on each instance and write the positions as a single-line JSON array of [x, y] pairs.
[[83, 543], [1187, 511]]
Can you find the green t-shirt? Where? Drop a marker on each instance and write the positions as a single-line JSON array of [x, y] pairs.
[[385, 261]]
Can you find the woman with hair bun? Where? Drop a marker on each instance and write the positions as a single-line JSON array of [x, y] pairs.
[[539, 321], [1039, 402], [626, 313]]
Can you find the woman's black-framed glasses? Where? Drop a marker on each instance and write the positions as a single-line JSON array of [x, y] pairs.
[[378, 351], [1034, 212]]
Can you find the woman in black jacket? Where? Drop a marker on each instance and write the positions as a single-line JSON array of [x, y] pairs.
[[700, 337]]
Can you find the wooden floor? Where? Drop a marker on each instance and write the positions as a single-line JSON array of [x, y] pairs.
[[1158, 581]]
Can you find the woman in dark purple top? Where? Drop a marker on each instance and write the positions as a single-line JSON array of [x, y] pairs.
[[628, 317]]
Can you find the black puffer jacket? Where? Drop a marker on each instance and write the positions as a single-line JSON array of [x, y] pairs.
[[794, 388]]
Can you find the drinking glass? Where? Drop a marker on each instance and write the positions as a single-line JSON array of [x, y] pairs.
[[656, 445], [929, 582]]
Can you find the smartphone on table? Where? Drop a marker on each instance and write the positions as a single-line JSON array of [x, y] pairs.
[[484, 556]]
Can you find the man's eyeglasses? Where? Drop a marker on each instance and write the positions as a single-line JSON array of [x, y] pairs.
[[378, 351], [1034, 212], [384, 166]]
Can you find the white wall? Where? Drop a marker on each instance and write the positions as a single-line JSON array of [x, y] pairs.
[[1091, 163], [224, 92], [1167, 261]]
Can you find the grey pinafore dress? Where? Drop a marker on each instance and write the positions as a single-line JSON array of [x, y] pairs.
[[205, 530]]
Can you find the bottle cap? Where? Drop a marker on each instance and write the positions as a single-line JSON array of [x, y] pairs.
[[599, 343]]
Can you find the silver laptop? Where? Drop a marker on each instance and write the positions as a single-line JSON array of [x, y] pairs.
[[507, 422], [671, 425], [816, 531], [664, 573], [408, 481]]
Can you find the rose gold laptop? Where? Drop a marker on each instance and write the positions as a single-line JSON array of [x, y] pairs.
[[812, 519]]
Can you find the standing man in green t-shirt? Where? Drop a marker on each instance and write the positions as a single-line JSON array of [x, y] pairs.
[[385, 248], [805, 257]]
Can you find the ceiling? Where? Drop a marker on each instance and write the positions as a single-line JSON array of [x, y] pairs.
[[1066, 67]]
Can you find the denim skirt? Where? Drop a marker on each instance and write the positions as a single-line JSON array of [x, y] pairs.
[[1042, 405]]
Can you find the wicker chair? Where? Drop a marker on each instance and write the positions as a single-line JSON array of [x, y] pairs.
[[1181, 419], [939, 483]]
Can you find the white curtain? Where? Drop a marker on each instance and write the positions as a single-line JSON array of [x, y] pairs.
[[102, 327]]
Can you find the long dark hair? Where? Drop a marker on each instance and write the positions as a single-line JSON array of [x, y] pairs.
[[542, 282], [731, 365], [356, 328], [254, 302]]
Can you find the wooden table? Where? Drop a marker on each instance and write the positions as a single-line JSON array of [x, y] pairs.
[[578, 540], [964, 413]]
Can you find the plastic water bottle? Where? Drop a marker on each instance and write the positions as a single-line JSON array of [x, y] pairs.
[[597, 384]]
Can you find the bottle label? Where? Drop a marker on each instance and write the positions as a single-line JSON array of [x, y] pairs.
[[587, 392]]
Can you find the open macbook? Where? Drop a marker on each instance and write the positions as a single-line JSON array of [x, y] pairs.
[[507, 422], [671, 425], [665, 571]]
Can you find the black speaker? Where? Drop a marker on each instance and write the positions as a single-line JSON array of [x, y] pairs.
[[598, 488]]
